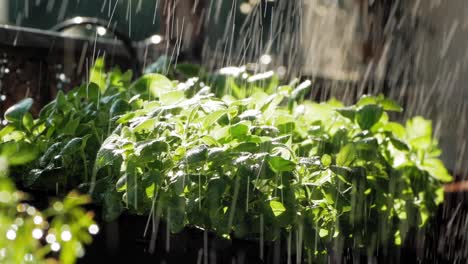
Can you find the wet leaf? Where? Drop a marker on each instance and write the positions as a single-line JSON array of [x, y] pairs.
[[16, 113], [368, 115]]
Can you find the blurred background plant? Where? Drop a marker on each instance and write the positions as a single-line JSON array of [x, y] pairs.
[[29, 235]]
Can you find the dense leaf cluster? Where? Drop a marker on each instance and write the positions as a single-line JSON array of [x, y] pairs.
[[245, 157]]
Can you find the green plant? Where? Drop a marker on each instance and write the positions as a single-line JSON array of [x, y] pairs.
[[69, 130], [272, 165], [247, 157], [28, 235]]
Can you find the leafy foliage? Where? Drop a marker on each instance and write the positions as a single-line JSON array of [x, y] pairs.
[[29, 235], [243, 157]]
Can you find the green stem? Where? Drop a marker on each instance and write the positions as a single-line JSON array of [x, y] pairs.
[[83, 157]]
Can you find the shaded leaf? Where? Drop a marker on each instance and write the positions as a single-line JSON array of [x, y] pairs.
[[368, 115]]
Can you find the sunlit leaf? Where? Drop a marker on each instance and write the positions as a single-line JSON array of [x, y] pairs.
[[436, 169], [346, 156], [154, 84], [277, 208]]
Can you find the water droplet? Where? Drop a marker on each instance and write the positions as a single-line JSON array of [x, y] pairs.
[[38, 220], [58, 206], [101, 31], [55, 246], [265, 59], [37, 233], [11, 234], [66, 236], [31, 210], [28, 257], [50, 238], [93, 229], [156, 39]]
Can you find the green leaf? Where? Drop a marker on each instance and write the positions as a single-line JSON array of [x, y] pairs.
[[172, 97], [349, 113], [119, 107], [72, 147], [28, 121], [399, 144], [107, 153], [246, 147], [390, 105], [367, 100], [368, 115], [189, 70], [211, 119], [154, 84], [277, 208], [419, 133], [16, 113], [343, 173], [90, 92], [151, 150], [134, 186], [18, 153], [70, 127], [302, 89], [279, 164], [50, 153], [197, 154], [323, 232], [439, 197], [418, 127], [62, 103], [436, 169], [397, 129], [397, 238], [98, 74], [239, 130], [346, 156], [326, 160], [5, 131]]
